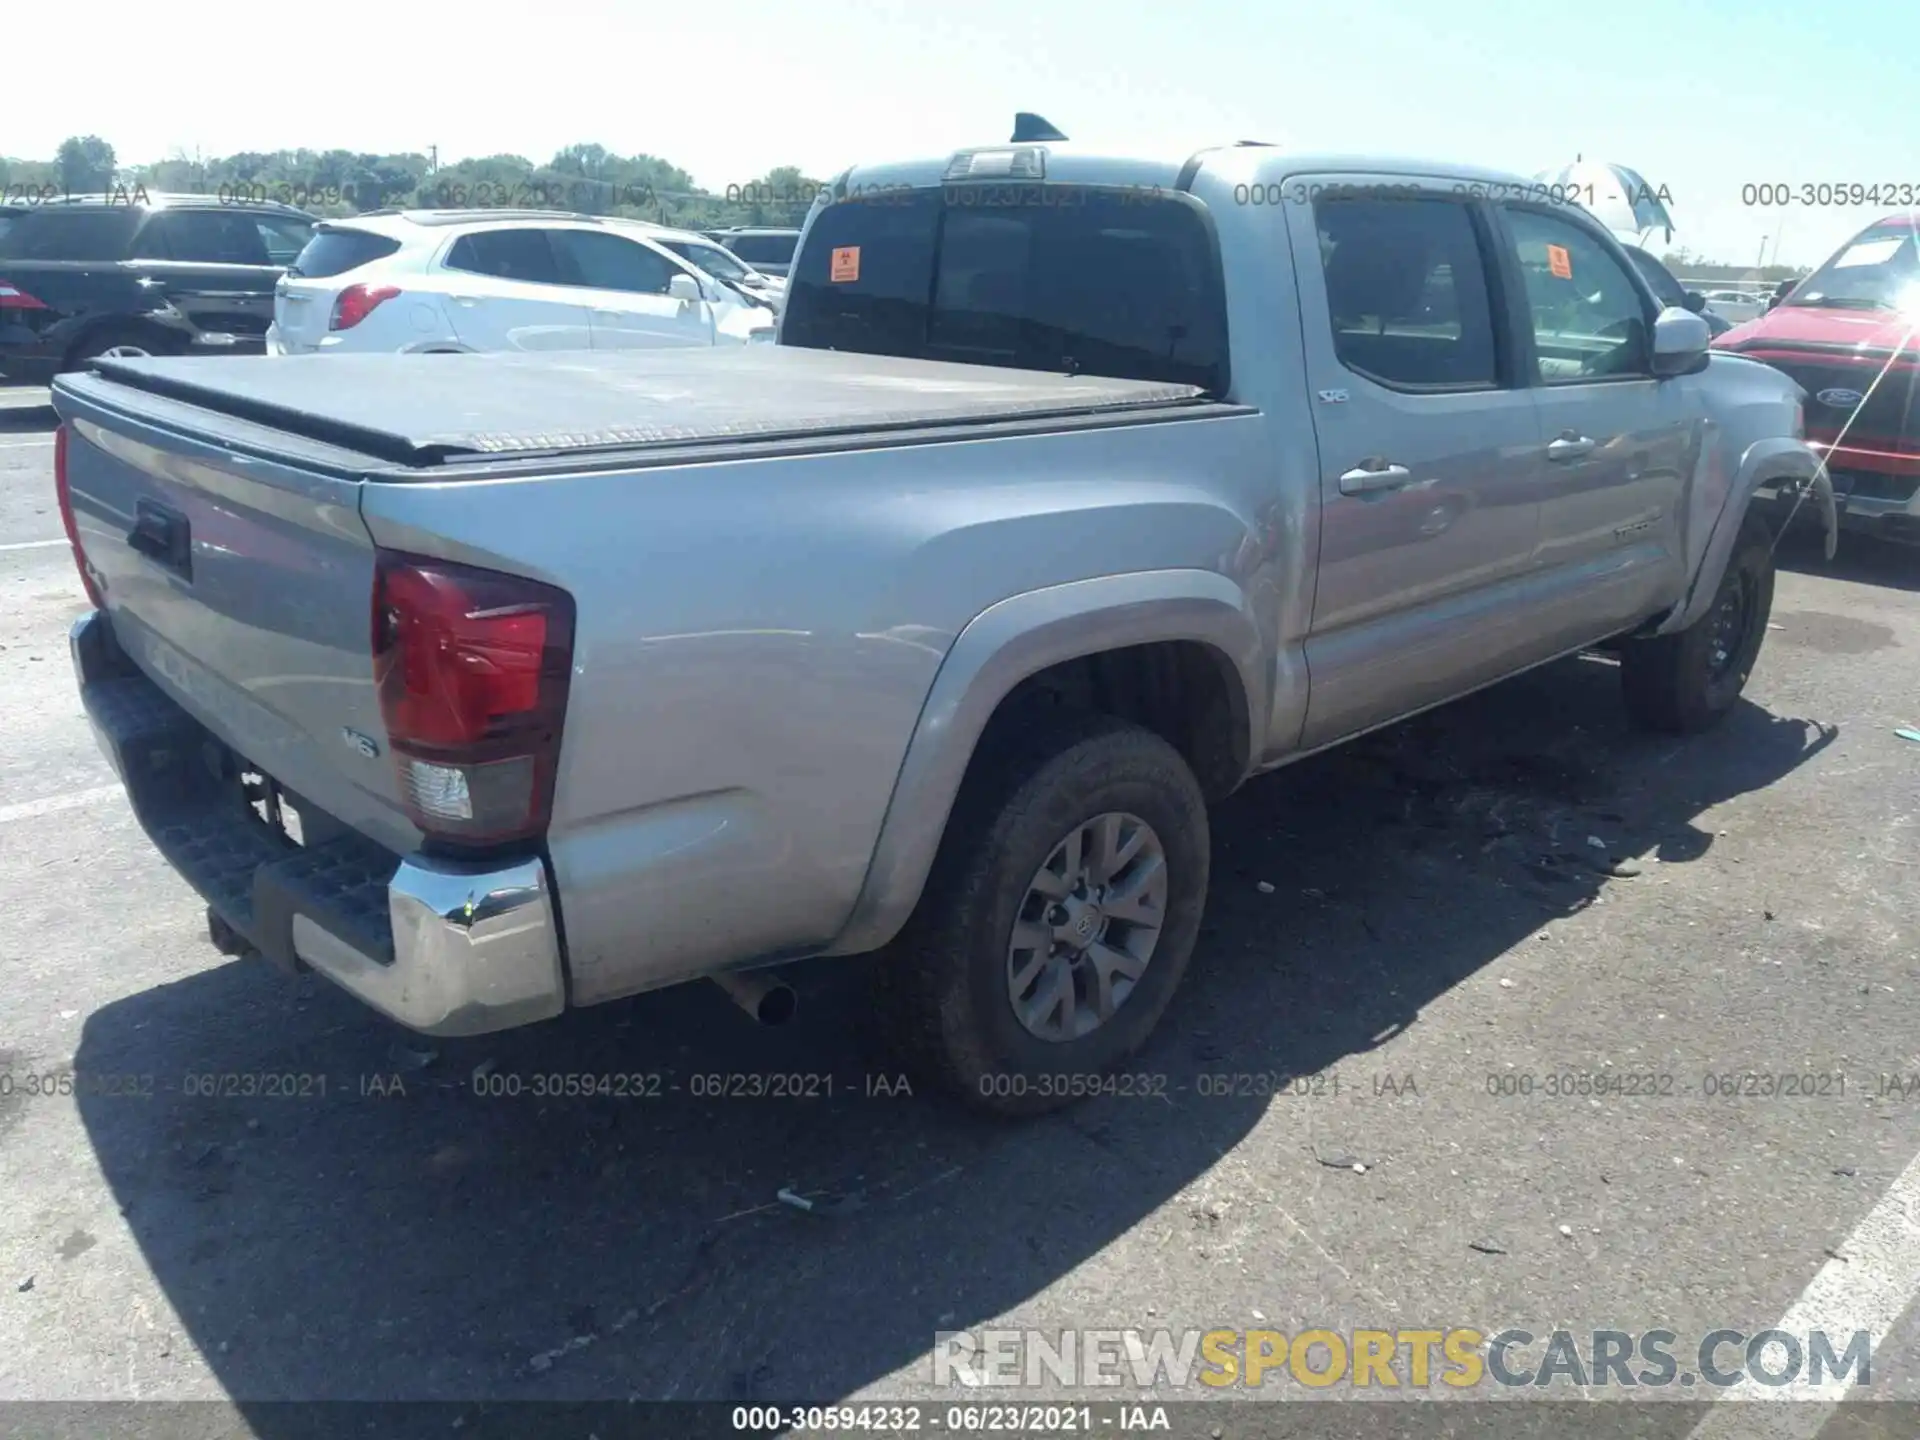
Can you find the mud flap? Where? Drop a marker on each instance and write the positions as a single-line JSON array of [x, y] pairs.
[[1829, 510]]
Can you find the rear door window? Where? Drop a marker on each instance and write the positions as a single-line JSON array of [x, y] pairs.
[[522, 254], [334, 252], [202, 237], [95, 232], [1407, 292], [1062, 278]]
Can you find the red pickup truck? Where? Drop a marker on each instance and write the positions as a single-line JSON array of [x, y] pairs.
[[1850, 335]]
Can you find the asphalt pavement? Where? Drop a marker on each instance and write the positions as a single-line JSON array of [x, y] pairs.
[[1363, 1111]]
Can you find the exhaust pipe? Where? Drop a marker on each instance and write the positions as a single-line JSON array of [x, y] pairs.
[[771, 1002]]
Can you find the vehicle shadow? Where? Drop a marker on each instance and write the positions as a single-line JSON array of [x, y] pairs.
[[408, 1235], [25, 412], [1864, 559]]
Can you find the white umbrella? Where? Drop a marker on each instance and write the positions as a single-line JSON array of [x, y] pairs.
[[1616, 196]]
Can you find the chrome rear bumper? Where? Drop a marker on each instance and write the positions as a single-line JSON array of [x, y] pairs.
[[443, 947]]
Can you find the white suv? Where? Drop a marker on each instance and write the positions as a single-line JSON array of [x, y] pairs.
[[466, 280]]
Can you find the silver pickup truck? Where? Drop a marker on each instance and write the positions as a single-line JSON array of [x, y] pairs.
[[1080, 489]]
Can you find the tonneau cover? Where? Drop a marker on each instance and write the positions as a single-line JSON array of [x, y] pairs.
[[422, 410]]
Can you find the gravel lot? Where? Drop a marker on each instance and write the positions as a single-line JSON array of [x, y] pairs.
[[1406, 927]]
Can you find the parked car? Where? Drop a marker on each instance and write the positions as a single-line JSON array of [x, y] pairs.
[[166, 275], [712, 258], [1671, 292], [1846, 334], [768, 249], [935, 628], [445, 281], [1734, 307]]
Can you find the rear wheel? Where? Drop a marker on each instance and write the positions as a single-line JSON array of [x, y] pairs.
[[1687, 682], [113, 344], [1058, 920]]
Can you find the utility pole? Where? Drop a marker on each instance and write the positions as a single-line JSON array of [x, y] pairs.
[[433, 159]]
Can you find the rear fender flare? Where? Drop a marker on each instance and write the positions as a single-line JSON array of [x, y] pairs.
[[1003, 645], [1765, 462]]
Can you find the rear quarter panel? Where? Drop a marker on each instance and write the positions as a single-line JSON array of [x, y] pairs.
[[757, 639]]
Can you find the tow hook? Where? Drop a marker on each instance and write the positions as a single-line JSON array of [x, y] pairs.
[[1829, 511]]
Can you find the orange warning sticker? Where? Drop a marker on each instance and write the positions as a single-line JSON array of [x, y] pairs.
[[846, 264], [1558, 261]]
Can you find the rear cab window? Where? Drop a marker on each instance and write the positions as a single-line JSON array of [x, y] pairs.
[[1034, 276], [336, 250], [94, 232]]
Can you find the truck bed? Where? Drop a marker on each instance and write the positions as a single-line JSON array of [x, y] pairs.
[[422, 411]]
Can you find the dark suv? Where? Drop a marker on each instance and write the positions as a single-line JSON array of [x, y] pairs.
[[169, 275]]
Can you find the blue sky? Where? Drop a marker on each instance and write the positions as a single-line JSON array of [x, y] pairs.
[[1702, 97]]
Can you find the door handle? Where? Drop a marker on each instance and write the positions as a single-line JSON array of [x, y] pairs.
[[1570, 446], [164, 536], [608, 314], [464, 299], [1374, 475]]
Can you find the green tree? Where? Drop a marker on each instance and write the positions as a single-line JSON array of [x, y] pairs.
[[85, 164], [588, 160], [583, 177]]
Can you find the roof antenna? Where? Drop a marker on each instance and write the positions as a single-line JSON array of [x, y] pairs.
[[1029, 126]]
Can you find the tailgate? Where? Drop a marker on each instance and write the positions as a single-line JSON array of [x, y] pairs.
[[302, 311], [242, 586]]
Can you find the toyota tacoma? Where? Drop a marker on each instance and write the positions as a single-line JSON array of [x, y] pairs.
[[1078, 489]]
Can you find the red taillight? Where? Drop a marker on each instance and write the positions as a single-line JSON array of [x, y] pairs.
[[65, 495], [472, 668], [12, 297], [356, 302]]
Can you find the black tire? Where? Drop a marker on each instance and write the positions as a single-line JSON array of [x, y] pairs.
[[1676, 683], [942, 986], [91, 347]]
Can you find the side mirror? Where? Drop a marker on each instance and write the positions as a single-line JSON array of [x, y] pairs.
[[1695, 301], [684, 287], [1680, 340]]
